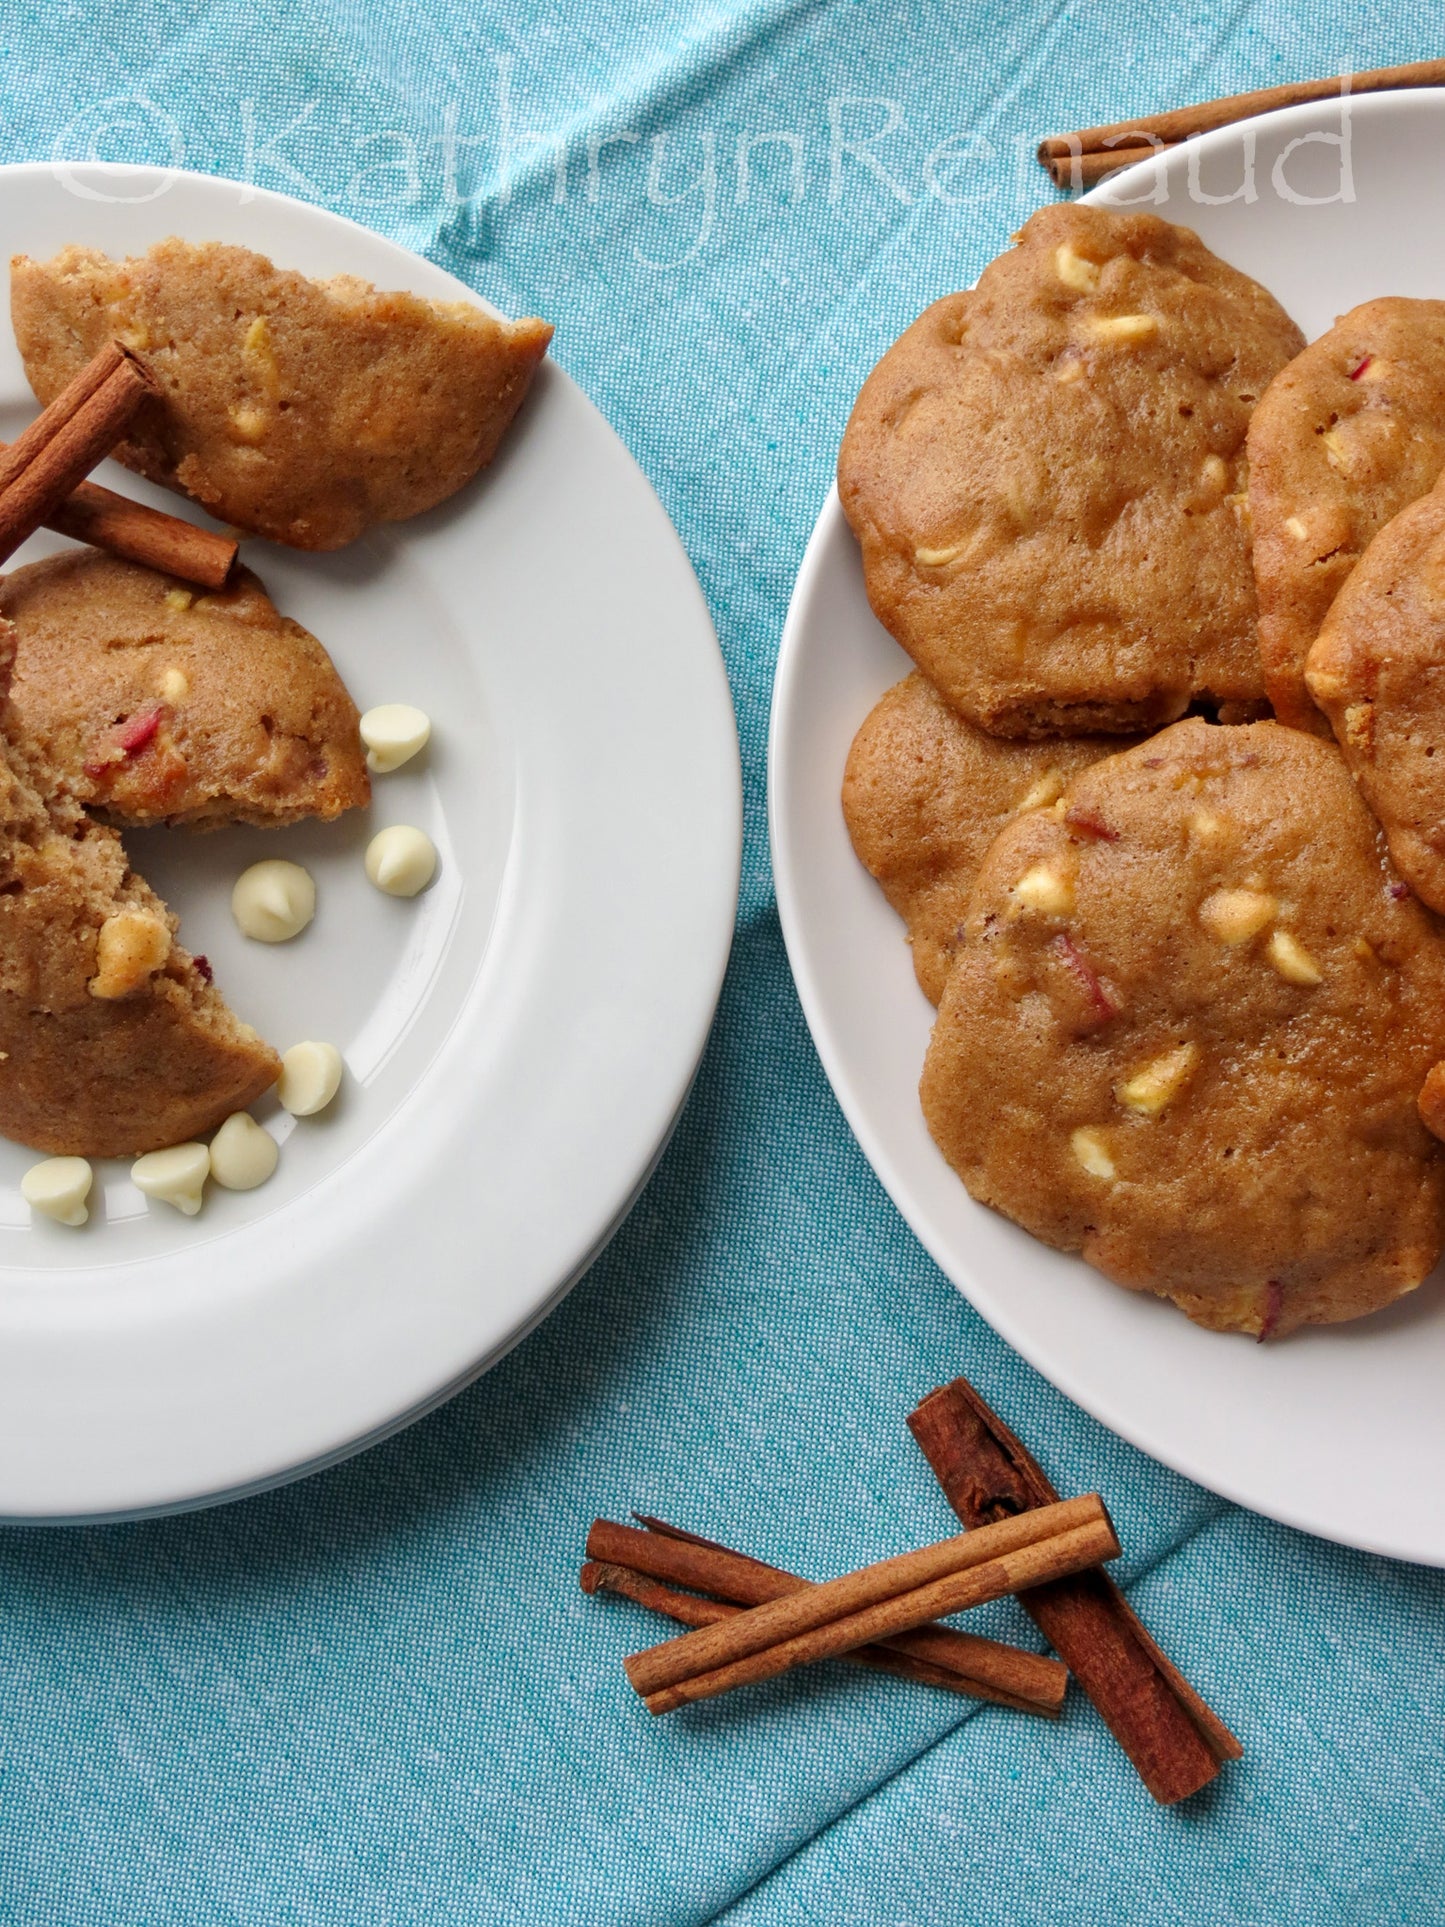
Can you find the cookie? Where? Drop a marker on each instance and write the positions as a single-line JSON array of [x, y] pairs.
[[1046, 477], [925, 794], [300, 410], [159, 703], [1187, 1030], [1349, 434], [113, 1039], [1377, 671]]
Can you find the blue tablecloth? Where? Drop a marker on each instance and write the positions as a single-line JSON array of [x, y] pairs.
[[378, 1697]]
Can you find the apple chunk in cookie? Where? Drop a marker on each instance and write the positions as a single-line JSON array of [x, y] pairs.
[[1187, 1028]]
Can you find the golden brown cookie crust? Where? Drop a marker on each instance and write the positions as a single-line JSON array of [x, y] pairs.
[[301, 410], [95, 1060], [925, 794], [1377, 670], [1344, 438], [1432, 1101], [157, 702], [1187, 1030], [1046, 476]]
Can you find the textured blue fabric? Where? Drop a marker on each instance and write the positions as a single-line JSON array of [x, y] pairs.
[[378, 1697]]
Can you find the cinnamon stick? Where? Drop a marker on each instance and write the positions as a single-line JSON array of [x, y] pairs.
[[1180, 123], [1078, 171], [60, 447], [136, 533], [985, 1668], [894, 1596], [691, 1610], [1012, 1675], [1175, 1741]]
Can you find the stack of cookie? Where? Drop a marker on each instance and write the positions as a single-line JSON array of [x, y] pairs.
[[1184, 946]]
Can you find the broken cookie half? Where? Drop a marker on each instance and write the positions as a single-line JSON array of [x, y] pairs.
[[301, 410], [113, 1040], [158, 703]]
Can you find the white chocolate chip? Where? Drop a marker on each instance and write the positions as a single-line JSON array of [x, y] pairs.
[[1048, 789], [273, 901], [242, 1154], [1069, 369], [1214, 473], [1360, 727], [1296, 528], [1293, 962], [179, 598], [177, 1176], [174, 685], [130, 948], [1022, 507], [1208, 827], [1123, 328], [928, 559], [1148, 1091], [1092, 1152], [393, 733], [1075, 270], [310, 1078], [401, 861], [1045, 889], [259, 356], [1237, 915], [58, 1188], [248, 424]]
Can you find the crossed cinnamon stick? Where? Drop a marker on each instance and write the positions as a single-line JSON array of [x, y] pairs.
[[894, 1596], [42, 471], [632, 1563], [1175, 1741]]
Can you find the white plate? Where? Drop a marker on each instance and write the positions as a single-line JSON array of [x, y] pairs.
[[518, 1040], [1339, 1430]]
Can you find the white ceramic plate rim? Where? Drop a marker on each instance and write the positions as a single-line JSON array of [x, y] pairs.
[[470, 1209], [846, 1066]]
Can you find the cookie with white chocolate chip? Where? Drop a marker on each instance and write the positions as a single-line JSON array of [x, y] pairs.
[[1187, 1028], [1375, 670], [296, 409], [1349, 434], [924, 795], [157, 702], [113, 1039], [1046, 476]]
